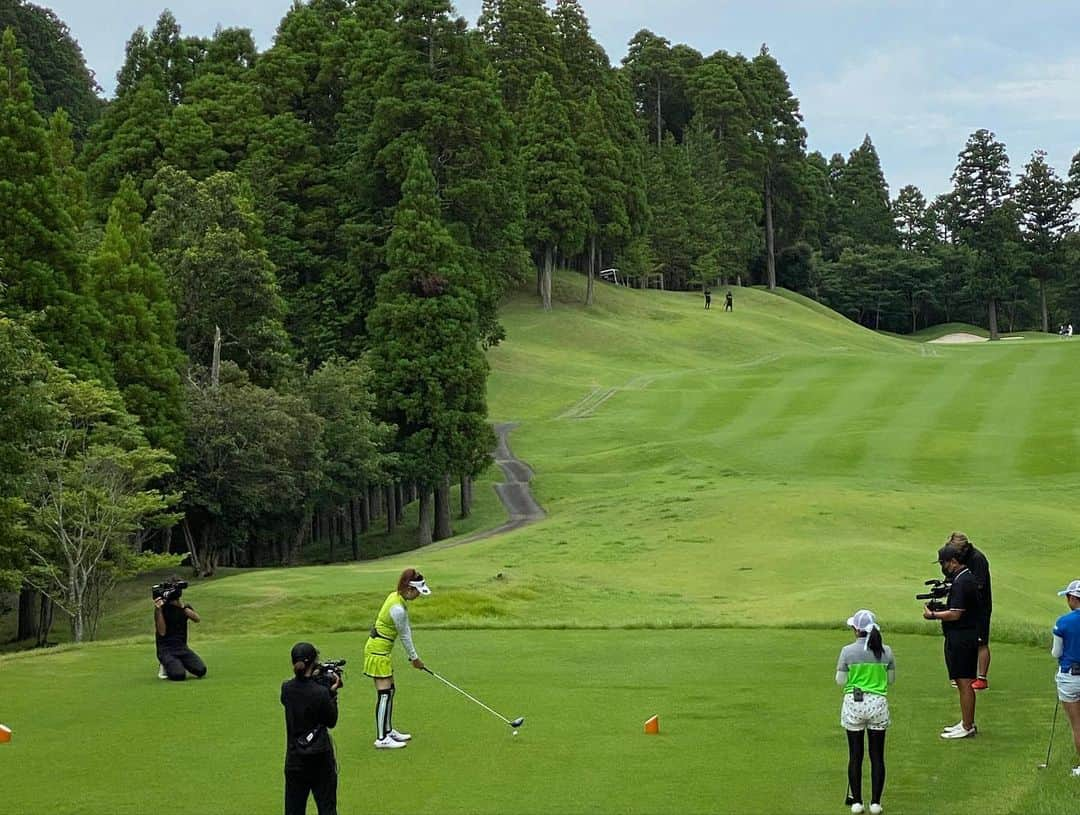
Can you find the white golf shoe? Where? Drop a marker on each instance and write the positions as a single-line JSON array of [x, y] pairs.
[[875, 809], [388, 744], [1076, 771], [396, 736], [161, 672], [959, 733], [856, 809]]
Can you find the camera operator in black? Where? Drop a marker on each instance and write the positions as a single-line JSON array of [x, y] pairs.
[[960, 624], [171, 621], [311, 710], [980, 567]]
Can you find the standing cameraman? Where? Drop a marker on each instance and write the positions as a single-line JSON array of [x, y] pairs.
[[980, 568], [311, 710], [171, 622], [960, 625]]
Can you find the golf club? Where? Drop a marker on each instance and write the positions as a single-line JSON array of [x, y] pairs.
[[1050, 746], [515, 723]]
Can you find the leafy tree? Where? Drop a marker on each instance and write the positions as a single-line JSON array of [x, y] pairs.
[[209, 243], [140, 335], [980, 191], [556, 213], [92, 491], [659, 74], [253, 462], [862, 198], [609, 222], [585, 61], [430, 372], [1046, 216], [912, 219], [39, 262], [55, 64], [522, 44]]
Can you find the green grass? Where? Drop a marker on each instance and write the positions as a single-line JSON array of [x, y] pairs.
[[772, 468]]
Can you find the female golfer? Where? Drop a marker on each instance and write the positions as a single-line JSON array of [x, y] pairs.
[[865, 669], [1067, 651], [311, 710], [392, 622]]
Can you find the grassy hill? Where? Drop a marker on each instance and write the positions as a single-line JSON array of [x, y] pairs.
[[776, 468]]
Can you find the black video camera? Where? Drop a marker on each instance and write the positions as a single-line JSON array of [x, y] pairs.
[[330, 671], [169, 590], [939, 590]]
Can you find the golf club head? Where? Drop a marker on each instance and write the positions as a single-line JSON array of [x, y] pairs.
[[517, 722]]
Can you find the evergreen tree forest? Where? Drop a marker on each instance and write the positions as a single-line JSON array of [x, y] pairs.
[[244, 303]]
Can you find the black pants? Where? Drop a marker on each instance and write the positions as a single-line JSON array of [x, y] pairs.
[[877, 764], [314, 775], [178, 662]]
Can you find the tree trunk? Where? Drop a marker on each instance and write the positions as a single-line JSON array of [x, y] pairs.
[[332, 526], [45, 621], [546, 284], [770, 239], [354, 512], [659, 118], [365, 512], [466, 496], [391, 507], [401, 499], [427, 501], [443, 528], [374, 501], [592, 271], [993, 320], [298, 543], [26, 627], [1042, 302]]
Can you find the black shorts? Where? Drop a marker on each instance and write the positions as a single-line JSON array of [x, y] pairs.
[[984, 630], [962, 654]]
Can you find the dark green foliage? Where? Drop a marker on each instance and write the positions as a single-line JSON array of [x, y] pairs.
[[430, 371], [555, 195], [913, 219], [862, 198], [210, 245], [39, 263], [140, 333], [660, 76], [55, 64], [522, 43]]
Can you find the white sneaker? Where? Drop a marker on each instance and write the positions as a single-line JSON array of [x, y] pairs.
[[396, 736], [959, 733], [161, 672], [856, 809], [875, 809], [388, 744], [1076, 771], [956, 726]]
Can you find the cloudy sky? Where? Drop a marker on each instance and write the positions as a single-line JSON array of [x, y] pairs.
[[917, 75]]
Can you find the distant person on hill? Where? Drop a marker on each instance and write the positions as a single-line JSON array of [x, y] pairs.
[[728, 301], [1066, 649], [311, 711], [980, 568], [865, 670], [708, 299], [392, 622]]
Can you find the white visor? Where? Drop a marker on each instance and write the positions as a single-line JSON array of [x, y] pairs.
[[421, 586]]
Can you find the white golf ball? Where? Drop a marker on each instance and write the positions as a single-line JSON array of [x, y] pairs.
[[515, 732]]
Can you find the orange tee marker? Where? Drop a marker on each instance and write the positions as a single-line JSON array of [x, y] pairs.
[[5, 734], [652, 725]]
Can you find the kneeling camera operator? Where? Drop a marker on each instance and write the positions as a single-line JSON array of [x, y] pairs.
[[311, 710], [171, 615]]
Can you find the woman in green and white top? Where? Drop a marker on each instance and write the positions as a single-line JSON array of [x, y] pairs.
[[865, 670], [391, 623]]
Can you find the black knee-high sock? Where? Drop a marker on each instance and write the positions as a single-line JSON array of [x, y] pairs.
[[390, 710], [382, 713], [854, 766], [877, 765]]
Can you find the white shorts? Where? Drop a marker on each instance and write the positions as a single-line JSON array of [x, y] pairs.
[[1068, 686], [871, 713]]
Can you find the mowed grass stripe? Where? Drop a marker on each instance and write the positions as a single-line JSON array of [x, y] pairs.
[[1050, 444]]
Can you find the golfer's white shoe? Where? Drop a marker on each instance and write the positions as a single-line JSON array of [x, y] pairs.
[[960, 733], [396, 736], [856, 809], [956, 726], [1076, 771], [388, 744], [161, 672], [875, 809]]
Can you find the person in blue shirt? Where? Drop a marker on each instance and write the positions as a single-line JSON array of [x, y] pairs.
[[1066, 650]]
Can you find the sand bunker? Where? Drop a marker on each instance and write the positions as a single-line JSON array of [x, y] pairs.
[[956, 339]]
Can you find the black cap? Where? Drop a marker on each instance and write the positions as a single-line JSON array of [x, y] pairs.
[[304, 652], [947, 553]]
